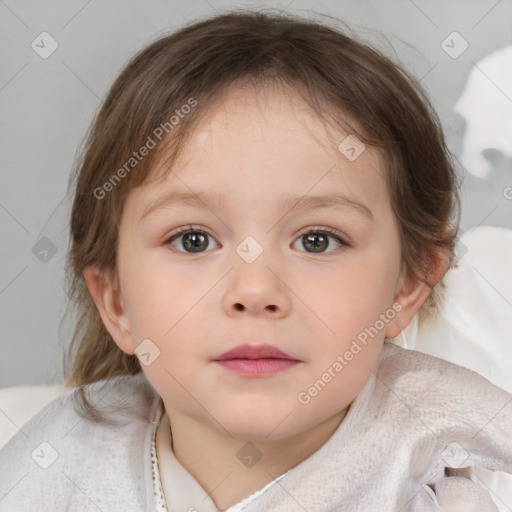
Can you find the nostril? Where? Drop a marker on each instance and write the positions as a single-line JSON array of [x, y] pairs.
[[241, 307]]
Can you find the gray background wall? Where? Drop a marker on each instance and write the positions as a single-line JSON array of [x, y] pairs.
[[46, 105]]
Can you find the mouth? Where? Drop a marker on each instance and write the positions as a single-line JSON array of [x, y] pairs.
[[256, 360]]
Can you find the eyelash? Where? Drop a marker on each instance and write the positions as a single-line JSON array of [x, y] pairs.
[[183, 230], [323, 231], [311, 229]]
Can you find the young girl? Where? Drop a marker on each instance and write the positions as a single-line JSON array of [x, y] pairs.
[[262, 203]]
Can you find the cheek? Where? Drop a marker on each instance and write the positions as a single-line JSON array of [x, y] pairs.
[[160, 297], [354, 297], [354, 305]]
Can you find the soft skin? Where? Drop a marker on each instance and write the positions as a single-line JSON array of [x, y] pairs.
[[255, 148]]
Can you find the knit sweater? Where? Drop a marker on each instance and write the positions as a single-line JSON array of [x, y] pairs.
[[415, 416]]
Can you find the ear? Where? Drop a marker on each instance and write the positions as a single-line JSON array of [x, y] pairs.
[[412, 292], [105, 293]]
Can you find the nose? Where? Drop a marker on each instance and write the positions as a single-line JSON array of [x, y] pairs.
[[256, 289]]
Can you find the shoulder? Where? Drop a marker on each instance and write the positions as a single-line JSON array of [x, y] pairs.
[[406, 369], [122, 399], [438, 403], [60, 449]]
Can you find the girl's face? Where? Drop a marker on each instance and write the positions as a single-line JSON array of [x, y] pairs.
[[290, 242]]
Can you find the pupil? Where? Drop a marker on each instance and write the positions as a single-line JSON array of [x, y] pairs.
[[194, 242], [318, 242]]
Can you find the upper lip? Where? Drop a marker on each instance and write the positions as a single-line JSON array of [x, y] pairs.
[[254, 352]]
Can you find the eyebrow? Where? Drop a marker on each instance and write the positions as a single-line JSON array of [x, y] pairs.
[[291, 203], [287, 203], [199, 199]]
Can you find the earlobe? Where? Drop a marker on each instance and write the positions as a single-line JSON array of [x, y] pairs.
[[108, 300]]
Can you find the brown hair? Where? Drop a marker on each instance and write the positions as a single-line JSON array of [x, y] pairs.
[[335, 73]]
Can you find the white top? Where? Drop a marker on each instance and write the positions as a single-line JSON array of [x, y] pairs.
[[414, 417]]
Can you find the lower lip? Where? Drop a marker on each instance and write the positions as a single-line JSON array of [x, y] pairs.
[[257, 367]]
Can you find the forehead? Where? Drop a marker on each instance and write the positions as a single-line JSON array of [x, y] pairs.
[[274, 117], [252, 144]]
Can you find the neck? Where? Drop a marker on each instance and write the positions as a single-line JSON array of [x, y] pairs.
[[227, 467]]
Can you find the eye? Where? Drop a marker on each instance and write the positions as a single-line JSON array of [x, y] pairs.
[[190, 240], [319, 240]]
